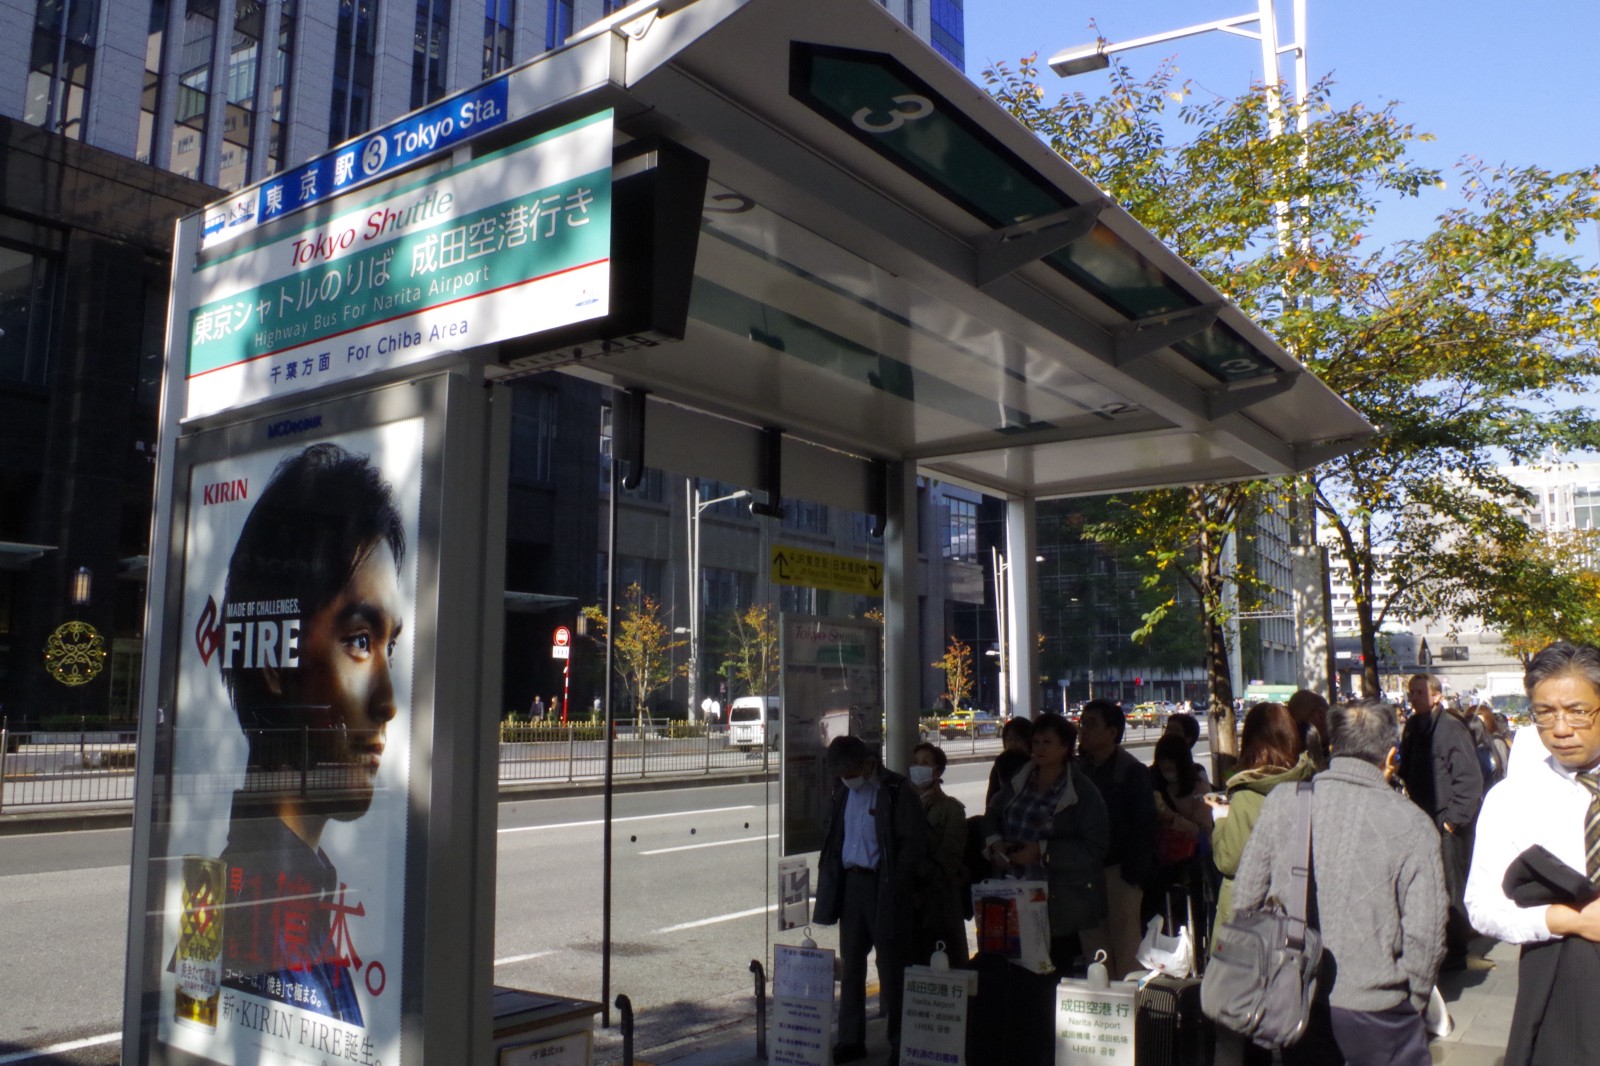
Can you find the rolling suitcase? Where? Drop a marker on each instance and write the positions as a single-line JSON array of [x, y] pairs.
[[1010, 1020], [1169, 1027]]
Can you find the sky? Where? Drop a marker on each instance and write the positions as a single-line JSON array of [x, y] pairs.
[[1506, 82]]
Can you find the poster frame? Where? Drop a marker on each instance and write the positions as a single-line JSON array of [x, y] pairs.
[[443, 947]]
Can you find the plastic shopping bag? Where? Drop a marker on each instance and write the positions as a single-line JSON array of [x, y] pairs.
[[1013, 920], [1171, 955]]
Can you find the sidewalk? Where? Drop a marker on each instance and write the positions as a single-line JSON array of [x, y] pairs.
[[1480, 1005]]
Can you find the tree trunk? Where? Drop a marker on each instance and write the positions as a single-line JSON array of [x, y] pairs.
[[1224, 722]]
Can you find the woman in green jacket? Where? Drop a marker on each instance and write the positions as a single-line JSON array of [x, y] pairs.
[[1270, 753]]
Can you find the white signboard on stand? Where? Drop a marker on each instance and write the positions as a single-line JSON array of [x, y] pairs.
[[802, 1007], [1095, 1025], [933, 1027]]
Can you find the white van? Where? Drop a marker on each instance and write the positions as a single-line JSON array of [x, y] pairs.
[[754, 720]]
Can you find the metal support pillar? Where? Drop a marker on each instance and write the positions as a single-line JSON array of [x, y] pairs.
[[902, 615], [1022, 608]]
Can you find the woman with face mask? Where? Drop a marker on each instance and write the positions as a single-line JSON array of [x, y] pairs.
[[943, 876]]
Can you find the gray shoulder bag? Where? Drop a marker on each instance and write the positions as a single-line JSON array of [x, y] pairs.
[[1262, 975]]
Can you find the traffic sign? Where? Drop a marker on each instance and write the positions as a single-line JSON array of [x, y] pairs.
[[561, 647], [823, 570]]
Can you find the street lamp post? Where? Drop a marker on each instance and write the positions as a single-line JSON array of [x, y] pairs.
[[1309, 571], [696, 506]]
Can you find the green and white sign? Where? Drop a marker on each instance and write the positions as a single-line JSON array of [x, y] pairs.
[[504, 246]]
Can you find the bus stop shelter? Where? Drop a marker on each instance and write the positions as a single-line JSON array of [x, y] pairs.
[[834, 265]]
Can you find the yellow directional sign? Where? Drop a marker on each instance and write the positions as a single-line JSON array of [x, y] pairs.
[[823, 570]]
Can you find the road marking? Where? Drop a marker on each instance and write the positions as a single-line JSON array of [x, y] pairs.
[[735, 916], [630, 818], [59, 1049], [509, 959], [712, 844]]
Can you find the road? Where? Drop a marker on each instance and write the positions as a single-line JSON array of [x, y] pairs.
[[691, 887]]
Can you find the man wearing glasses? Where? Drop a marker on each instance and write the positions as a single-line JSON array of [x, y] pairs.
[[1439, 765], [1534, 876]]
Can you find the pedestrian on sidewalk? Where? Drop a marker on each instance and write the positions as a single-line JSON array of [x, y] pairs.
[[1378, 897], [1124, 783], [873, 845], [1439, 764], [1016, 748], [1534, 875], [1049, 823], [943, 876]]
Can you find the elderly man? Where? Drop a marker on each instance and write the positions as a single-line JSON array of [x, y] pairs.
[[877, 837], [1537, 864], [1379, 890]]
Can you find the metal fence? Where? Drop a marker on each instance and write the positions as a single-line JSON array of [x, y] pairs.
[[87, 768]]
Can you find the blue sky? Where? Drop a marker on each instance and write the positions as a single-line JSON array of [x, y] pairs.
[[1507, 82]]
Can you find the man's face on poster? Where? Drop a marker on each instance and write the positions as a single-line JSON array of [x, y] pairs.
[[346, 672]]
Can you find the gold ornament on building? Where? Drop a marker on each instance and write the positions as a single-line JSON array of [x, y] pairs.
[[75, 653]]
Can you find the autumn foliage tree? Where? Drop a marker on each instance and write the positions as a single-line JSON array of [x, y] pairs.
[[643, 654], [956, 664], [751, 665]]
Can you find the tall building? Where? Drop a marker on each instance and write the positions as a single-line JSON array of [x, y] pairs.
[[229, 93], [119, 116]]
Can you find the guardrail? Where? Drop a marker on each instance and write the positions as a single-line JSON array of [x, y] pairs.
[[66, 770], [76, 769]]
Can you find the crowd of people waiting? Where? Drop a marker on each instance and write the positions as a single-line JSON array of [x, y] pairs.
[[1414, 851]]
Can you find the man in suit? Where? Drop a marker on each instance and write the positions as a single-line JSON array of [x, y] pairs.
[[875, 839], [1439, 764]]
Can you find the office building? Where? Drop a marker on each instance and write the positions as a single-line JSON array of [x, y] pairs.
[[116, 118]]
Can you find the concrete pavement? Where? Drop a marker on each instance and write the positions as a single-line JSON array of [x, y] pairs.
[[1480, 1002]]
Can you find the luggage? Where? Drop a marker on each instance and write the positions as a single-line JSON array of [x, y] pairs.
[[1169, 1027], [1010, 1022]]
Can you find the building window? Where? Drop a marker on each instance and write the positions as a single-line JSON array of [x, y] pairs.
[[533, 433], [861, 526], [194, 84], [652, 486], [279, 96], [558, 24], [961, 530], [58, 76], [1453, 653], [27, 297], [803, 516], [149, 105], [497, 36], [244, 72], [355, 46], [711, 489], [431, 45], [948, 31], [724, 590], [797, 599]]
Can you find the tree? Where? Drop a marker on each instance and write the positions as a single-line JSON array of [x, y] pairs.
[[1459, 345], [1553, 591], [642, 654], [1184, 536], [956, 663], [751, 665]]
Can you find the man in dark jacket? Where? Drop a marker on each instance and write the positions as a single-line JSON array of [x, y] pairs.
[[1124, 782], [876, 838], [1439, 765]]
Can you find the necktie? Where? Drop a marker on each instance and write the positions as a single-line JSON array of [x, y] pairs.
[[1591, 824]]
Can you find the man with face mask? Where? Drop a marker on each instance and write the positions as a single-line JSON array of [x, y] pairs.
[[875, 841]]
